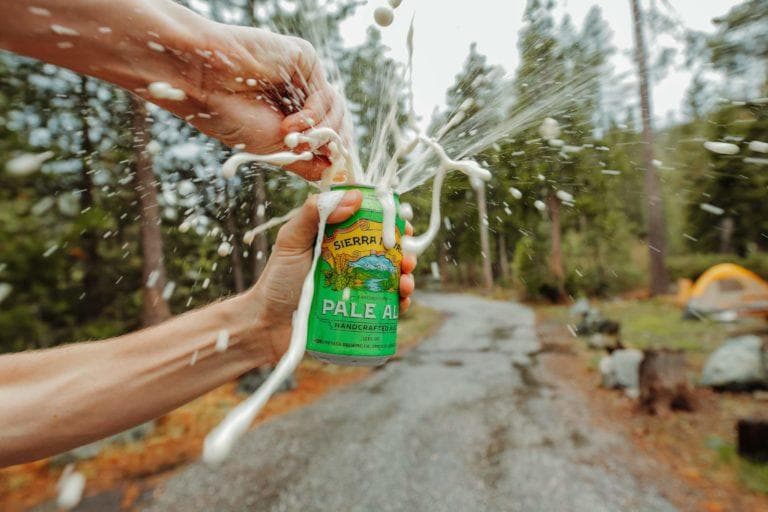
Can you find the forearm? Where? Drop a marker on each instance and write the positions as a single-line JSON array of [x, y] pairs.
[[131, 43], [58, 399]]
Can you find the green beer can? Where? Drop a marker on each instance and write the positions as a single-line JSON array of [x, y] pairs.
[[353, 319]]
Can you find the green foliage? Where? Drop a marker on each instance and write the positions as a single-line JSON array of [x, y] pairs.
[[691, 266], [531, 268], [753, 474]]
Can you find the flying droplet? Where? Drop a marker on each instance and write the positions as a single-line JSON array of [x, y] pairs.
[[383, 16]]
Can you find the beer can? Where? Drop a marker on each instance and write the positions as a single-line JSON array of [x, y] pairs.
[[355, 307]]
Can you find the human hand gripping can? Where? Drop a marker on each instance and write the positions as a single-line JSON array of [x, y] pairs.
[[355, 308]]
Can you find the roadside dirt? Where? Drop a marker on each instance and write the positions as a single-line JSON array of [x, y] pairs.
[[686, 470]]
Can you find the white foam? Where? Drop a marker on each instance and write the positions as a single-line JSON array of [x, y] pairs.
[[39, 11], [758, 146], [168, 290], [395, 3], [710, 208], [230, 167], [721, 148], [516, 193], [64, 31], [71, 485], [5, 291], [539, 204], [222, 341], [152, 279], [28, 163], [250, 235], [218, 443], [165, 91], [435, 268], [383, 15], [154, 46], [564, 196], [406, 211], [389, 216], [549, 129], [224, 249]]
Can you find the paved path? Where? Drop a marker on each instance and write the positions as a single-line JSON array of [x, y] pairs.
[[463, 422]]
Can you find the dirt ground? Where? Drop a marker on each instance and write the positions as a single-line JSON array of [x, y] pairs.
[[690, 471], [122, 473]]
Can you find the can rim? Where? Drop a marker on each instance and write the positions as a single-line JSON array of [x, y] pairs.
[[351, 185], [343, 186]]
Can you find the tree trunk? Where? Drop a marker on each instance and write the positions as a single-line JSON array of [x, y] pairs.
[[501, 242], [88, 240], [654, 203], [663, 382], [753, 439], [556, 252], [154, 307], [726, 235], [261, 242], [485, 246], [237, 247]]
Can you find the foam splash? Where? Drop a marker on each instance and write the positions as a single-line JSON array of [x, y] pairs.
[[71, 485], [218, 443], [721, 148], [165, 91], [28, 163]]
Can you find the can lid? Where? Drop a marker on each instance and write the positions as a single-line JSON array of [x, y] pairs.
[[344, 186], [349, 186]]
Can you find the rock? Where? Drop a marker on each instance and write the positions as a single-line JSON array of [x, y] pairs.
[[250, 382], [91, 450], [664, 384], [620, 369], [738, 364], [580, 307]]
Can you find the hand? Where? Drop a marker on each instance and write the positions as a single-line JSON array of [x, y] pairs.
[[257, 86], [278, 290]]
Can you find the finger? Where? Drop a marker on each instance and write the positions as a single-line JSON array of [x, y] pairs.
[[351, 202], [407, 285], [408, 263], [298, 235], [310, 170], [405, 305], [408, 228], [334, 118], [315, 109]]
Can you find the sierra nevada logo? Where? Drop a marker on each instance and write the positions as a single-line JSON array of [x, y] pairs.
[[355, 258]]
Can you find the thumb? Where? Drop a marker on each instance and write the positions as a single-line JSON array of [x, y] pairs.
[[298, 235]]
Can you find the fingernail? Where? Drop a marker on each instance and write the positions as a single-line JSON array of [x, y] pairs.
[[350, 197]]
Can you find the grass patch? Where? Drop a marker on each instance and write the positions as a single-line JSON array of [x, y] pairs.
[[753, 475], [657, 323]]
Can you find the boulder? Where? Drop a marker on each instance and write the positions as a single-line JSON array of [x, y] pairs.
[[91, 450], [620, 369], [738, 364]]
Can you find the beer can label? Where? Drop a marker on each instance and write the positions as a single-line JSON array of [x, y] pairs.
[[357, 280]]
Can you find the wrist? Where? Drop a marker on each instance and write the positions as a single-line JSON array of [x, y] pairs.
[[249, 323]]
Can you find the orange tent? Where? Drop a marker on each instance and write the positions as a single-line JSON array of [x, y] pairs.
[[728, 287]]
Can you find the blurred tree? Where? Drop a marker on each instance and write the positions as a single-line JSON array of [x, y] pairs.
[[654, 206]]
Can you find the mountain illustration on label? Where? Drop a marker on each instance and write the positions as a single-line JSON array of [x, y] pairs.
[[374, 262], [355, 258]]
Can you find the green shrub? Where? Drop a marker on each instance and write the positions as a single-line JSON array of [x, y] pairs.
[[531, 269], [691, 266]]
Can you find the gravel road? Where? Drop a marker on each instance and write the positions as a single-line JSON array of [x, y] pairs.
[[463, 422]]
